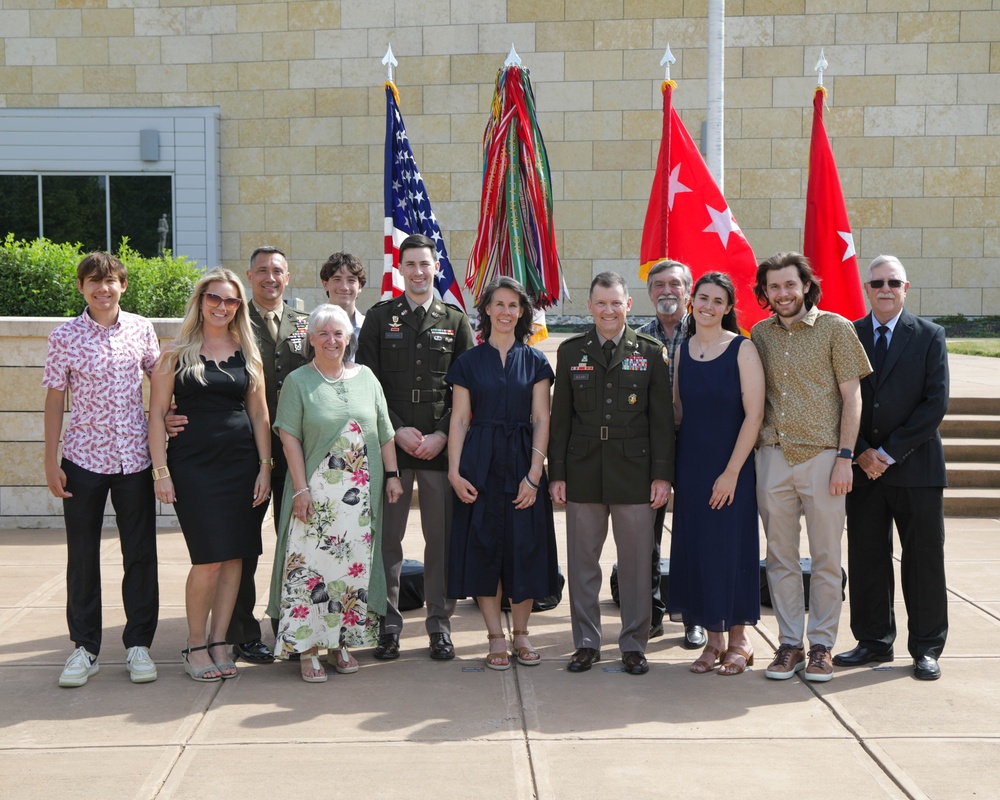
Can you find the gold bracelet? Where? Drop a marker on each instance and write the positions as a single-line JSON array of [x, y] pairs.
[[268, 461], [159, 473]]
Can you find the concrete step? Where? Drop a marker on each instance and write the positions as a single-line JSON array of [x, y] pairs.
[[973, 405], [977, 450], [985, 426], [969, 474], [972, 502]]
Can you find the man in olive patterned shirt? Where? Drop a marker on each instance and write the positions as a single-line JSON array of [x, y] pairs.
[[813, 364]]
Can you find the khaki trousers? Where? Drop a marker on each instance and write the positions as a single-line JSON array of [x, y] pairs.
[[784, 495]]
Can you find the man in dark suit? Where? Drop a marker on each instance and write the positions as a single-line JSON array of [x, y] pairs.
[[410, 342], [899, 476], [611, 453]]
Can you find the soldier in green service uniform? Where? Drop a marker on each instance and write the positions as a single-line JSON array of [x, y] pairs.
[[611, 453], [409, 342]]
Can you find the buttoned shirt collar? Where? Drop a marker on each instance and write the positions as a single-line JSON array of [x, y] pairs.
[[891, 325], [426, 305], [616, 339], [103, 369]]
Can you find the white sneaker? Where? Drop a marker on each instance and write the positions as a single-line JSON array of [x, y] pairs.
[[141, 668], [79, 667]]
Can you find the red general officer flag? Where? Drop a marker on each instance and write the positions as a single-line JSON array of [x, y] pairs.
[[689, 220], [828, 243]]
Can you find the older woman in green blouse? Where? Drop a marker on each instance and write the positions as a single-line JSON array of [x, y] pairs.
[[327, 589]]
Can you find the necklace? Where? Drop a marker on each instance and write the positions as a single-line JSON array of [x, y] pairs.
[[705, 348], [334, 382]]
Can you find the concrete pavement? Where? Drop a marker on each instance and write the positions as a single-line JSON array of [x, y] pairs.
[[417, 728]]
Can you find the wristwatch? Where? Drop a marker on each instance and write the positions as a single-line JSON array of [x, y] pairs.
[[845, 452], [393, 473]]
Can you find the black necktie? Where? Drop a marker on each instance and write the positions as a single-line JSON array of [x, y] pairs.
[[881, 347], [609, 350], [420, 312]]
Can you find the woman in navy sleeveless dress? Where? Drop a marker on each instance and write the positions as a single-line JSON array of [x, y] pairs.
[[503, 537], [714, 547]]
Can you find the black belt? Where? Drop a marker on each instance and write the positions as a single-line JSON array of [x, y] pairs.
[[605, 432], [418, 396]]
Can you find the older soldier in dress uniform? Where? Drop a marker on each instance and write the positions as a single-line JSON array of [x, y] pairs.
[[611, 453], [409, 342]]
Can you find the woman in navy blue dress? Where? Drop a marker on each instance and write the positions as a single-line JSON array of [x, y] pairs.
[[503, 537], [714, 546]]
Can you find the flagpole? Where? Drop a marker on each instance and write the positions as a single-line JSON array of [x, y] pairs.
[[715, 126]]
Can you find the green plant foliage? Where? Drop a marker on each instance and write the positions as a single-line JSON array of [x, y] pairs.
[[40, 280], [157, 287]]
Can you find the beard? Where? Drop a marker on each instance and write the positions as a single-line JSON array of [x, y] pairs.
[[667, 305]]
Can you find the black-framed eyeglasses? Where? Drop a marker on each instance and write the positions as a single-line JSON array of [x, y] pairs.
[[894, 283], [214, 301]]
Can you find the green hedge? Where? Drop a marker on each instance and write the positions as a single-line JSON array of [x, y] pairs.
[[39, 280]]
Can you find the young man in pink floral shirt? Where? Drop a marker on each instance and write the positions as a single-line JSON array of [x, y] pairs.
[[101, 357]]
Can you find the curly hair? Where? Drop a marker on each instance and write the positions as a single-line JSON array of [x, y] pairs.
[[780, 261]]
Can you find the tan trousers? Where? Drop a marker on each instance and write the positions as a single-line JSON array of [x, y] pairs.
[[784, 495]]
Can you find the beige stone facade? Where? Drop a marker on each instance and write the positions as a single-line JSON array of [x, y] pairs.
[[914, 116]]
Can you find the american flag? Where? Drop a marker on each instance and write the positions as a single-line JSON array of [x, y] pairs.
[[408, 208]]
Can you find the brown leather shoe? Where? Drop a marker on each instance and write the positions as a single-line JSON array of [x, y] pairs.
[[583, 659], [635, 663]]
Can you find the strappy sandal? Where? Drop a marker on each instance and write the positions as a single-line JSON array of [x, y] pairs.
[[525, 656], [227, 668], [497, 661], [199, 673], [731, 667], [701, 666], [313, 662], [342, 661]]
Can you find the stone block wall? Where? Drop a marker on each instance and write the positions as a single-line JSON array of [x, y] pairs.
[[25, 501], [914, 116]]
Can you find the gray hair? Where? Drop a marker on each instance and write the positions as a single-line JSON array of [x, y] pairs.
[[878, 261], [324, 314], [667, 263]]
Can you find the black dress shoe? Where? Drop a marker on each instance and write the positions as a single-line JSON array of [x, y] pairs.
[[387, 647], [255, 652], [583, 659], [860, 656], [441, 647], [926, 668], [635, 663], [655, 630], [694, 637]]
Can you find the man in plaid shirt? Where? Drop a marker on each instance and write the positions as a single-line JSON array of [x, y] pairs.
[[669, 287]]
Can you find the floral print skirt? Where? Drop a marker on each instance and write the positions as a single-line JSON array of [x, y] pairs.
[[324, 593]]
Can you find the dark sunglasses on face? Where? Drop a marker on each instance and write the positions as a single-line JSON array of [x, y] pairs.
[[214, 301], [894, 283]]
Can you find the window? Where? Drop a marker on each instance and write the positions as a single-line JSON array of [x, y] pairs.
[[94, 210]]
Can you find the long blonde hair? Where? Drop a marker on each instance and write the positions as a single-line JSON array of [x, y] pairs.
[[186, 350]]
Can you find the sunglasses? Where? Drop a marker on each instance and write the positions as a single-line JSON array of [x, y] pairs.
[[214, 301], [894, 283]]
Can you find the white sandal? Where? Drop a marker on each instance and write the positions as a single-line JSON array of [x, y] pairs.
[[347, 668], [316, 666]]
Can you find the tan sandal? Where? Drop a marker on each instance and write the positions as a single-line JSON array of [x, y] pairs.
[[525, 656], [731, 667], [497, 661], [701, 665]]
